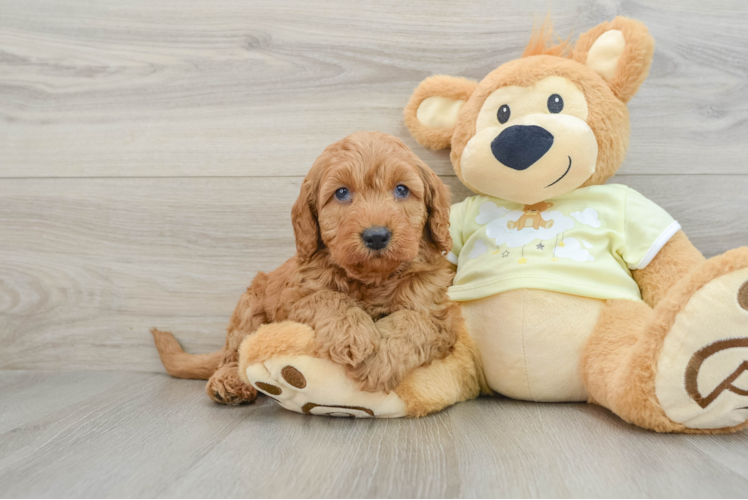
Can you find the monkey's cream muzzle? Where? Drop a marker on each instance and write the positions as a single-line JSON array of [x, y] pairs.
[[531, 143]]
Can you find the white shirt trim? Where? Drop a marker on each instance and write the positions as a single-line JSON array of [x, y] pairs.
[[660, 242], [452, 258]]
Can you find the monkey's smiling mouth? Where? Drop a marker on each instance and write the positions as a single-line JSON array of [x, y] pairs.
[[567, 171]]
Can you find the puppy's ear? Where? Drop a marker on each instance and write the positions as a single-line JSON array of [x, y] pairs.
[[437, 201], [304, 215], [431, 113], [620, 52]]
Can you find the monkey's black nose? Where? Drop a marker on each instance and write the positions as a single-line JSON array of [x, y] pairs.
[[376, 237], [519, 146]]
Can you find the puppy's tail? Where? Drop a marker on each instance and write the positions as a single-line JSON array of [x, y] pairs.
[[178, 363]]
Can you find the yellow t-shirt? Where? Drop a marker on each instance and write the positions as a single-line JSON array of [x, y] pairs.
[[582, 243]]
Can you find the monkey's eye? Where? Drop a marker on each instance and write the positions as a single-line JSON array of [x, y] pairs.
[[555, 103], [343, 194], [504, 114], [401, 191]]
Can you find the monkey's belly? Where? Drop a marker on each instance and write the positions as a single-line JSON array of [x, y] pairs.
[[531, 342]]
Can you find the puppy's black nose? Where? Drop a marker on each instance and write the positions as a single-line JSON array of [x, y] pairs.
[[376, 237], [519, 146]]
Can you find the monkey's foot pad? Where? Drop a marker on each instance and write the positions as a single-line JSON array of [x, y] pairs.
[[702, 373], [314, 386]]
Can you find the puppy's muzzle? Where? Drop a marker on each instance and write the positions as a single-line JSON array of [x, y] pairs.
[[519, 146], [376, 237]]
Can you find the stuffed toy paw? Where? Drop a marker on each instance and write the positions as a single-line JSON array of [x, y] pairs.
[[300, 382], [701, 378], [279, 360]]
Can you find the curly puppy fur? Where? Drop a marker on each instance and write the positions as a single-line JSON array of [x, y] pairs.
[[380, 313]]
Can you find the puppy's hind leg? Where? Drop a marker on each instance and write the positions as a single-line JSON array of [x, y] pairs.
[[227, 388]]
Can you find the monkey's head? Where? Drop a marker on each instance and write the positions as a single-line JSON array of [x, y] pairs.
[[542, 125]]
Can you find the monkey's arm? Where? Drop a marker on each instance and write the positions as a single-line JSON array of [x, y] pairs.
[[676, 259]]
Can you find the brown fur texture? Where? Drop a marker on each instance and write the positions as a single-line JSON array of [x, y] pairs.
[[379, 313]]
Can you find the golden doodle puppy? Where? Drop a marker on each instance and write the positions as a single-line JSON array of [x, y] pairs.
[[361, 305]]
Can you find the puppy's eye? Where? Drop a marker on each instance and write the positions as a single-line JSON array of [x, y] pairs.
[[342, 194], [401, 191], [555, 103], [504, 114]]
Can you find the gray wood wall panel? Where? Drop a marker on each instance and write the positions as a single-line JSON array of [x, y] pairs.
[[190, 88]]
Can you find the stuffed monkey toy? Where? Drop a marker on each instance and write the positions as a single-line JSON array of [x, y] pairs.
[[576, 290], [572, 290]]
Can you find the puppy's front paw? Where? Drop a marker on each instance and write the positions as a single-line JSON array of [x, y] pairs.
[[351, 353], [226, 388], [376, 374]]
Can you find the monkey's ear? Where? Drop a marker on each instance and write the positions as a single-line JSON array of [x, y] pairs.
[[620, 52], [431, 113]]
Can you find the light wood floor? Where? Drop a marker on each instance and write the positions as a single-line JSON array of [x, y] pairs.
[[150, 152], [115, 434]]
